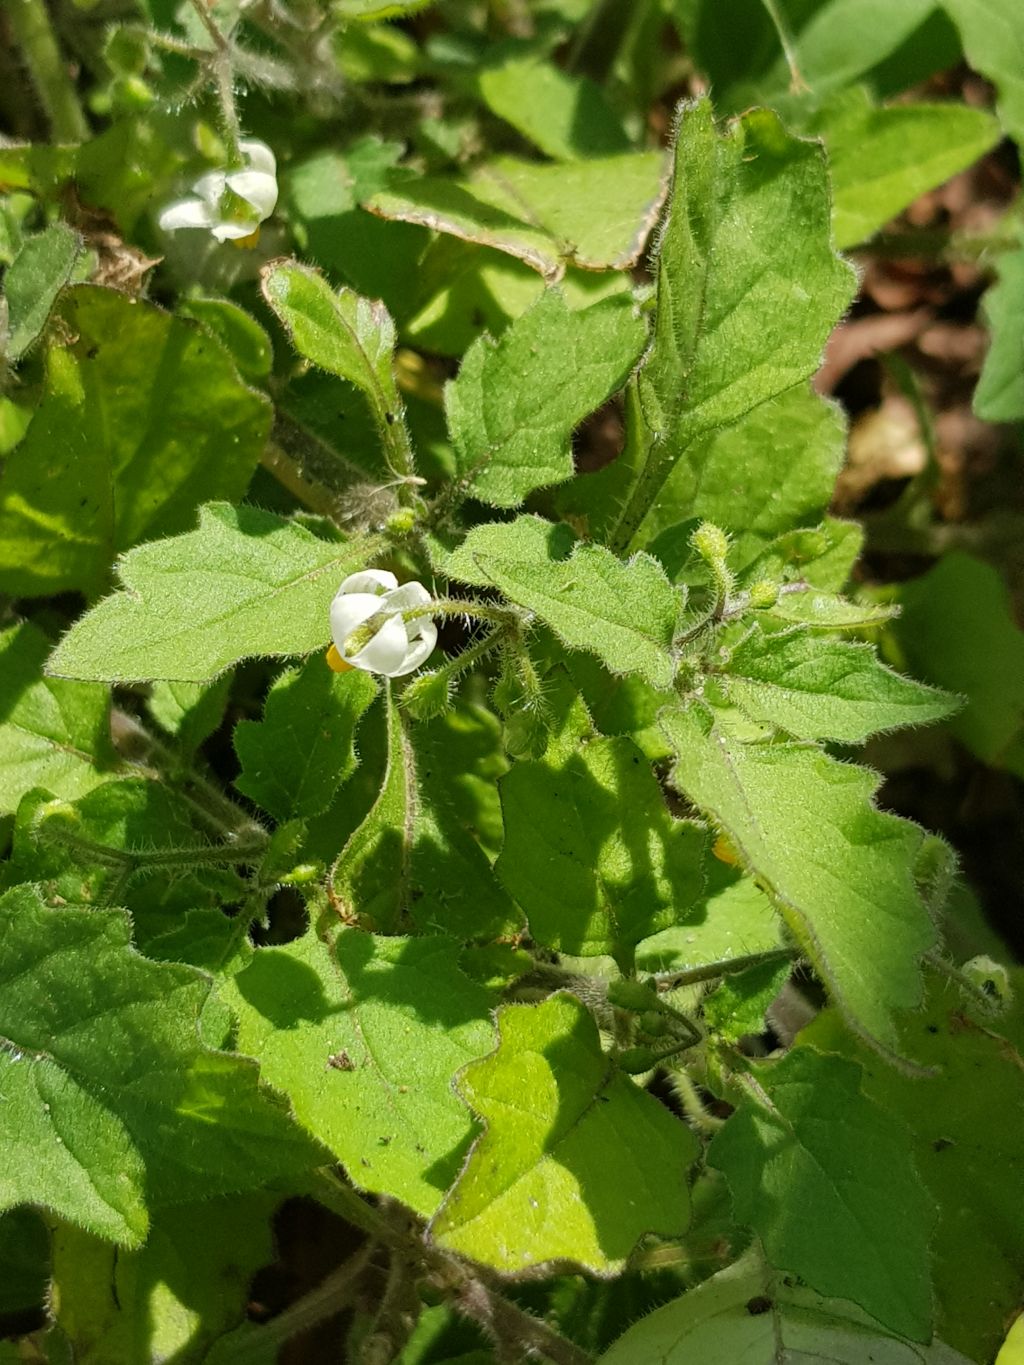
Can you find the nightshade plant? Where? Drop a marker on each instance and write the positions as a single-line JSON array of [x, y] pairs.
[[574, 964]]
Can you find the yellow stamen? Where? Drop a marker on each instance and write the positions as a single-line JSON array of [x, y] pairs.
[[337, 663], [247, 243]]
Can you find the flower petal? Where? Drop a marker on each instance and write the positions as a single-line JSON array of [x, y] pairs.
[[368, 580], [186, 213], [210, 187], [419, 649], [410, 594], [387, 652], [258, 156], [256, 188], [348, 612], [231, 231]]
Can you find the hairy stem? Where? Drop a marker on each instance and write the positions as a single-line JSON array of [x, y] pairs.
[[40, 50]]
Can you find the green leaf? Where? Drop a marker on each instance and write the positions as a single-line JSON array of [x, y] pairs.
[[143, 416], [190, 711], [823, 1175], [732, 921], [882, 159], [300, 753], [110, 1102], [839, 871], [555, 1176], [748, 283], [35, 277], [514, 406], [370, 11], [413, 856], [827, 611], [244, 583], [364, 1035], [542, 214], [773, 470], [175, 1296], [241, 335], [965, 1121], [745, 1313], [739, 1005], [958, 630], [824, 689], [591, 852], [53, 734], [625, 613], [992, 32], [999, 396], [565, 116]]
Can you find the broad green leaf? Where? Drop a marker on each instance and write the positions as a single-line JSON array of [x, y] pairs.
[[35, 277], [172, 1298], [992, 32], [738, 1006], [746, 1314], [592, 854], [370, 11], [364, 1035], [143, 416], [957, 630], [823, 1175], [241, 335], [190, 711], [244, 583], [999, 396], [827, 611], [514, 406], [965, 1122], [882, 159], [413, 856], [340, 331], [624, 612], [824, 689], [833, 42], [839, 871], [542, 214], [1012, 1350], [774, 470], [124, 844], [53, 734], [301, 752], [732, 921], [110, 1102], [371, 881], [565, 116], [556, 1175]]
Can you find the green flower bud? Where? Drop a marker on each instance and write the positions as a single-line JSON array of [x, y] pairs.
[[636, 1060], [764, 593], [630, 994], [428, 696], [710, 542]]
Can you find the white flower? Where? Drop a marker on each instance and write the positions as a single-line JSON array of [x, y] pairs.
[[398, 646], [230, 204]]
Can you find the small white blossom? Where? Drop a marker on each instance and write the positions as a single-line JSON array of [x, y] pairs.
[[230, 204], [398, 646]]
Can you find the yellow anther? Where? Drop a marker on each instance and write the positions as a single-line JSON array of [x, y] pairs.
[[725, 853], [337, 663], [247, 243]]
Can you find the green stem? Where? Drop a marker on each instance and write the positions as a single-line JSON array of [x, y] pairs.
[[668, 981], [797, 84], [34, 34], [137, 859], [222, 69]]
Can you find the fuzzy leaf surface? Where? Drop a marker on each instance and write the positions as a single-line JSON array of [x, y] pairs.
[[625, 613], [122, 448], [300, 753], [964, 1123], [565, 116], [746, 1314], [544, 1181], [514, 406], [749, 286], [591, 852], [364, 1036], [839, 871], [53, 733], [111, 1104], [823, 1175], [542, 214], [825, 689], [244, 583]]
